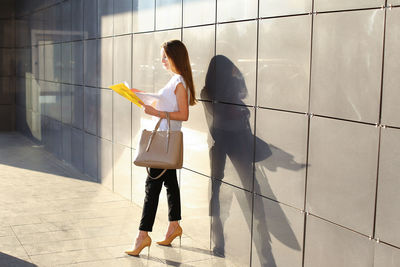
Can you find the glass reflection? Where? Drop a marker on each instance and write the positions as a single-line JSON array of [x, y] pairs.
[[233, 138]]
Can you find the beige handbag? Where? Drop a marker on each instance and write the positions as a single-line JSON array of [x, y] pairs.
[[160, 149]]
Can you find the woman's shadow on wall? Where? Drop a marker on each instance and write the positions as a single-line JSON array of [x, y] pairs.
[[233, 138]]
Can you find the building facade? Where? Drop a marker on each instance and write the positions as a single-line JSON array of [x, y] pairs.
[[292, 154]]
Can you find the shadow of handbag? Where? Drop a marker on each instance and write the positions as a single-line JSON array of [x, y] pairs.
[[160, 149]]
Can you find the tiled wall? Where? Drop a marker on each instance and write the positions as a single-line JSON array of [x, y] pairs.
[[7, 66], [291, 156]]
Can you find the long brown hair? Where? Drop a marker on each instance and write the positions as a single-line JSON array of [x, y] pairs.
[[176, 51]]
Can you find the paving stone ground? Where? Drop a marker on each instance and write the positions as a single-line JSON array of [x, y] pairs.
[[51, 215]]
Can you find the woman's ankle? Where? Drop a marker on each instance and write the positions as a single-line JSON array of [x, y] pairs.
[[174, 223], [142, 234]]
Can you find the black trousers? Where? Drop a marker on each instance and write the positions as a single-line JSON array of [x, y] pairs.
[[153, 189]]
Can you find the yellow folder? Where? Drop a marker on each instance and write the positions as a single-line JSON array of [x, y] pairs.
[[129, 94]]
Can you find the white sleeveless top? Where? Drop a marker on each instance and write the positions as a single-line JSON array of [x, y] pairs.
[[167, 102]]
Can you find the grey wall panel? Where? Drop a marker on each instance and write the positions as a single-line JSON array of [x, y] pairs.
[[7, 67], [161, 77], [387, 215], [236, 62], [20, 120], [90, 156], [342, 172], [105, 108], [270, 8], [35, 126], [232, 151], [20, 92], [7, 117], [326, 5], [66, 103], [21, 58], [77, 22], [44, 121], [231, 223], [77, 107], [139, 175], [197, 139], [142, 62], [393, 2], [168, 14], [284, 63], [36, 20], [41, 68], [105, 61], [347, 64], [42, 93], [7, 29], [200, 59], [22, 31], [277, 234], [140, 121], [122, 59], [195, 197], [106, 17], [66, 70], [7, 91], [66, 16], [386, 256], [121, 120], [329, 245], [90, 63], [77, 148], [35, 96], [46, 129], [29, 121], [77, 62], [55, 137], [228, 10], [20, 95], [48, 21], [57, 35], [143, 15], [391, 79], [198, 12], [105, 162], [281, 154], [8, 9], [35, 61], [67, 143], [28, 64], [122, 170], [90, 110], [90, 19], [53, 100], [28, 94], [122, 17], [52, 62]]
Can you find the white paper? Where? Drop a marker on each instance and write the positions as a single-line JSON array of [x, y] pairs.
[[148, 98]]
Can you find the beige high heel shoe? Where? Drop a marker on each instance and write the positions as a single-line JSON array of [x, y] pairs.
[[145, 243], [177, 232]]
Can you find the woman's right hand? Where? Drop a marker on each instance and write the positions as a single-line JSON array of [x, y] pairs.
[[150, 110]]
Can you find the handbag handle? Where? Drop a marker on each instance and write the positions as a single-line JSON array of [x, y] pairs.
[[167, 143], [158, 176], [155, 130]]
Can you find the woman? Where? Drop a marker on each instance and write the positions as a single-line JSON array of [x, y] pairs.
[[175, 98]]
